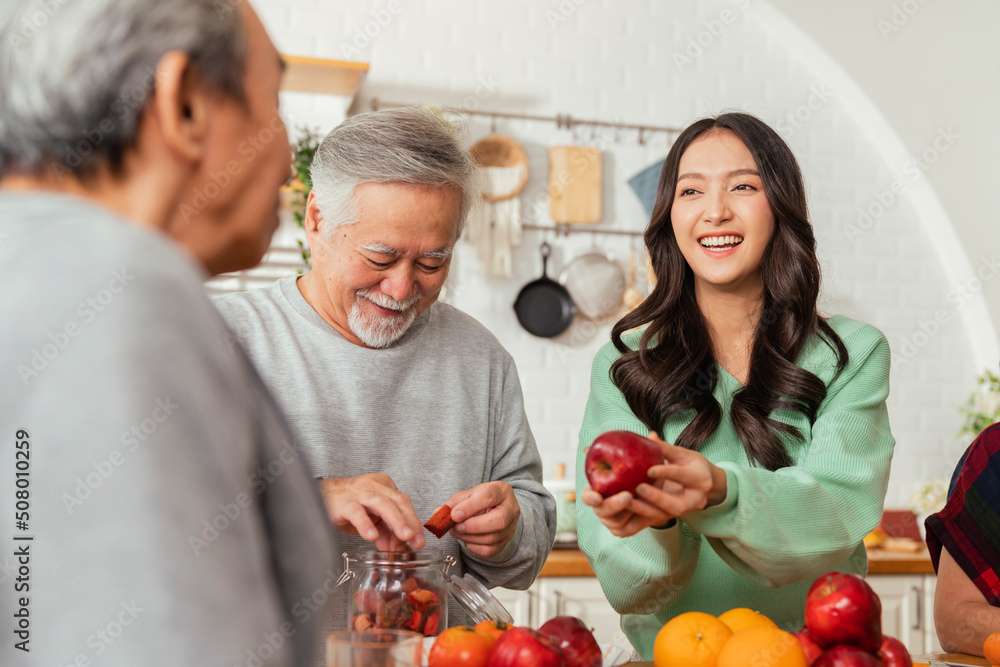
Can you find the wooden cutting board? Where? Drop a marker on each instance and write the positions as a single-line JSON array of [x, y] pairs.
[[575, 185]]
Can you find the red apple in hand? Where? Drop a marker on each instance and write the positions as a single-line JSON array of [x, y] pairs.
[[620, 461], [846, 656], [809, 647], [523, 647], [893, 653], [843, 609], [577, 643]]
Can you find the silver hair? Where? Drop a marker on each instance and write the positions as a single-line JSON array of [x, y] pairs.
[[413, 145], [75, 75]]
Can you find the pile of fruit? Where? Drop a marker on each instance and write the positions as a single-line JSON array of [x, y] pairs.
[[563, 641], [843, 629]]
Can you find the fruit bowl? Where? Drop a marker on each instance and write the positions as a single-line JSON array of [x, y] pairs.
[[614, 656]]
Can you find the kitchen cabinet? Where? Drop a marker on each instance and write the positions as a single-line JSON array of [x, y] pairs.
[[931, 643], [566, 586], [522, 605], [908, 609], [582, 597]]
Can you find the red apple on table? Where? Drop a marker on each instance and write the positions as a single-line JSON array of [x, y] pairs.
[[809, 647], [893, 653], [846, 656], [523, 647], [576, 641], [843, 609], [620, 461]]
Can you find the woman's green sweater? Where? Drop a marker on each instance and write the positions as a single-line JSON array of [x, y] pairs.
[[775, 532]]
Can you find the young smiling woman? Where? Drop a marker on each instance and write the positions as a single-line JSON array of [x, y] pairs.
[[780, 441]]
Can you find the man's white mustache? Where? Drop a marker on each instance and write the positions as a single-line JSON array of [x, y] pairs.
[[386, 301]]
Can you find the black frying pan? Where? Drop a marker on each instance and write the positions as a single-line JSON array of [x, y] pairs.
[[543, 306]]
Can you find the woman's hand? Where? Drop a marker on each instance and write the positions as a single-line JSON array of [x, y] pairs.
[[625, 515], [622, 514], [686, 481]]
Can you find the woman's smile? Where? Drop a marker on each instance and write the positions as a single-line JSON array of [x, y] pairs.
[[720, 245]]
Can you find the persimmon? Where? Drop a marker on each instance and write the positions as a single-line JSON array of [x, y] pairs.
[[493, 628], [461, 646]]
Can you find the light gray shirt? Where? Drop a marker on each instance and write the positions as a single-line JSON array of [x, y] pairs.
[[439, 411], [173, 521]]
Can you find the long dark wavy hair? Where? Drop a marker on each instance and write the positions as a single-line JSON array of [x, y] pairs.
[[673, 370]]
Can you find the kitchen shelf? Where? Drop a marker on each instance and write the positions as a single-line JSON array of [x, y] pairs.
[[319, 75], [887, 562], [569, 563], [572, 563]]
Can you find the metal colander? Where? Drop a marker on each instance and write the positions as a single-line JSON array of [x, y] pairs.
[[597, 284]]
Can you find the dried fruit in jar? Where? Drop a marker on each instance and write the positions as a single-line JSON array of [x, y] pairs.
[[394, 603], [362, 622]]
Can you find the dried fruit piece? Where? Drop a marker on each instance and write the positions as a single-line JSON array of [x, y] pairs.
[[431, 627], [422, 599], [441, 522], [416, 622], [390, 614], [362, 622], [366, 600]]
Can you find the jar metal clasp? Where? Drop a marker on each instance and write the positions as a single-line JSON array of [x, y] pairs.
[[448, 562], [348, 573]]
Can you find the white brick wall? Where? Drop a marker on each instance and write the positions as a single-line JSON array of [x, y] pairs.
[[616, 60]]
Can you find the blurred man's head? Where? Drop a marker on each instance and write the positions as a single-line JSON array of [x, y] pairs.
[[165, 111], [391, 191]]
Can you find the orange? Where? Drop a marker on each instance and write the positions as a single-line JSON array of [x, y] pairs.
[[991, 648], [692, 639], [742, 618], [762, 647]]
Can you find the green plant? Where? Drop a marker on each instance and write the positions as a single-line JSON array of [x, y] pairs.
[[303, 151], [983, 407]]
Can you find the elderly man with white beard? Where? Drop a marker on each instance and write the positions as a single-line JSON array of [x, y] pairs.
[[402, 403]]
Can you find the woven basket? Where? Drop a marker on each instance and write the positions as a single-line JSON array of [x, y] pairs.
[[498, 150]]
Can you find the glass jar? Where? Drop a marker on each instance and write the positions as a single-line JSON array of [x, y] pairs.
[[408, 590], [401, 590]]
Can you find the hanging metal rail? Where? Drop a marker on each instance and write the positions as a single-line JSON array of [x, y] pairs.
[[562, 121], [566, 229]]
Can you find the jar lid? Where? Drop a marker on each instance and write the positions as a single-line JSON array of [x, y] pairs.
[[476, 599]]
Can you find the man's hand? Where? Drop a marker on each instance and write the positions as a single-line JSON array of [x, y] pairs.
[[486, 516], [371, 506]]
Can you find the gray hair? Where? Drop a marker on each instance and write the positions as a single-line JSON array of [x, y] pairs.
[[75, 75], [413, 145]]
